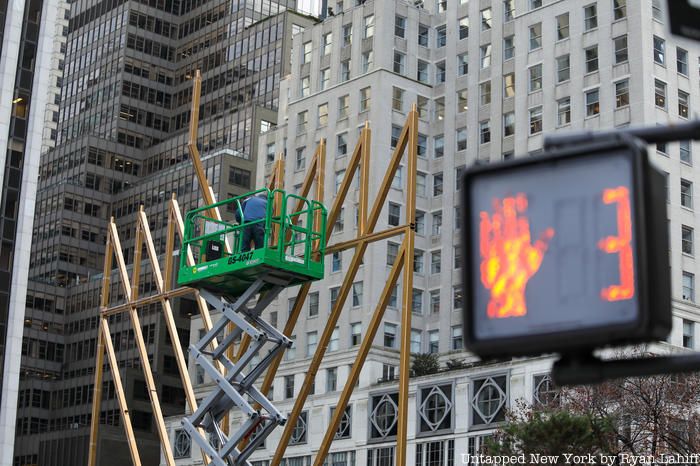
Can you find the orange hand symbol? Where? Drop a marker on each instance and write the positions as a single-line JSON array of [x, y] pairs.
[[508, 259]]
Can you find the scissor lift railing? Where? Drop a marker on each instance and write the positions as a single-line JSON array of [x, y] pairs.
[[241, 284]]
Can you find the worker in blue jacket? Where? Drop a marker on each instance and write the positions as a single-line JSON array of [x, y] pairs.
[[254, 208]]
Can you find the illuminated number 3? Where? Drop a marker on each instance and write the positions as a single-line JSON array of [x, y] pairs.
[[620, 244]]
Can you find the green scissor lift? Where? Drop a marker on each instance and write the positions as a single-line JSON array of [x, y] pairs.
[[240, 283]]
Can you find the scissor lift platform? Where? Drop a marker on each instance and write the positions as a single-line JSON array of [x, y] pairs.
[[241, 283], [293, 251]]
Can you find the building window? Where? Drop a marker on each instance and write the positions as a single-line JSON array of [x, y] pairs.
[[422, 71], [337, 261], [343, 105], [291, 352], [435, 262], [457, 253], [486, 19], [485, 93], [485, 54], [660, 93], [399, 62], [435, 409], [344, 70], [508, 47], [488, 400], [485, 132], [394, 214], [347, 34], [686, 193], [182, 446], [334, 292], [400, 26], [327, 43], [344, 431], [683, 102], [656, 10], [416, 341], [422, 104], [421, 184], [682, 61], [392, 251], [389, 335], [509, 124], [562, 26], [365, 99], [423, 35], [462, 101], [313, 303], [688, 286], [590, 15], [619, 9], [592, 102], [462, 64], [535, 78], [687, 240], [457, 343], [508, 10], [563, 68], [544, 392], [620, 49], [299, 159], [383, 420], [463, 28], [288, 386], [306, 57], [688, 334], [357, 294], [439, 146], [299, 432], [418, 258], [437, 184], [369, 26], [685, 153], [508, 85], [536, 120], [441, 39], [592, 59], [322, 115], [439, 453], [440, 72], [417, 301], [434, 341], [355, 333], [456, 298], [305, 86], [331, 379], [536, 36], [311, 343], [325, 78], [436, 226], [367, 58], [435, 302], [622, 93], [659, 50], [397, 99], [462, 139], [302, 121], [342, 144], [420, 222]]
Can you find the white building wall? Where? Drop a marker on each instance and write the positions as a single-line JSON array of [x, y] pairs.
[[639, 70], [44, 70]]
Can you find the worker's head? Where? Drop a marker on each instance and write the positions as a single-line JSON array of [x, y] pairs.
[[262, 194]]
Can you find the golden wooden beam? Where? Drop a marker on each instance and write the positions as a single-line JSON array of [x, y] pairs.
[[361, 356]]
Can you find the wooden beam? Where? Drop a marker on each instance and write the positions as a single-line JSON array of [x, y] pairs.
[[121, 396]]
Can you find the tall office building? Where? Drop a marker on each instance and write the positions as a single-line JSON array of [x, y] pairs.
[[31, 36], [490, 79], [121, 143]]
